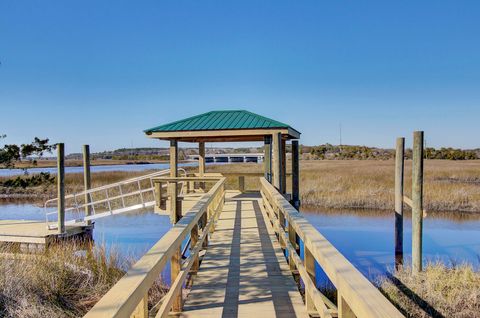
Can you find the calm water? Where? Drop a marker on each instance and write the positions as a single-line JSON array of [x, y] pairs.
[[133, 167], [364, 237]]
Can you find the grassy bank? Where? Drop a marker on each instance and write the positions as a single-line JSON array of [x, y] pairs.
[[369, 184], [59, 283], [437, 292]]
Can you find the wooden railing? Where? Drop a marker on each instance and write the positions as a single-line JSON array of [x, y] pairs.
[[129, 296], [356, 296]]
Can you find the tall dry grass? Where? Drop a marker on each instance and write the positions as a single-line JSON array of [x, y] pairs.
[[369, 184], [439, 291], [61, 282]]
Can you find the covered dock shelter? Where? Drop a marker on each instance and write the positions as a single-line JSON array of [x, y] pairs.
[[237, 126]]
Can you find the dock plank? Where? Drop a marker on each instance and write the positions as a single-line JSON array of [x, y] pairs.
[[244, 272]]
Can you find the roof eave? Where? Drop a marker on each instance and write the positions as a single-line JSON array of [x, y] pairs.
[[215, 135]]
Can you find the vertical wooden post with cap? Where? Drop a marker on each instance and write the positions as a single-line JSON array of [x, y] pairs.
[[417, 201], [87, 180], [399, 176], [61, 187]]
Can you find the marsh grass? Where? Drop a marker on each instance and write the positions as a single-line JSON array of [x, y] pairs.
[[439, 291], [366, 184], [62, 282], [369, 184]]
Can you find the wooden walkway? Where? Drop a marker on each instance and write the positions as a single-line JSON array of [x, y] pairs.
[[244, 272]]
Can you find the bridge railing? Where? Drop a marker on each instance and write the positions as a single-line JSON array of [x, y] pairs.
[[114, 198], [129, 296], [356, 296]]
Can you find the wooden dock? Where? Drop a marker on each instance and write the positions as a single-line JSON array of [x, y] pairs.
[[244, 272], [36, 232], [238, 241]]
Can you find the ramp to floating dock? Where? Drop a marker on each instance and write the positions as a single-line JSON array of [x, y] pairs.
[[244, 272]]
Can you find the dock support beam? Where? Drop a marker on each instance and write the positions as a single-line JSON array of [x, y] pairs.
[[87, 180], [267, 161], [61, 187], [399, 176], [417, 201], [277, 161], [295, 175]]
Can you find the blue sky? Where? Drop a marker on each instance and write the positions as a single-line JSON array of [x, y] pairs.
[[99, 72]]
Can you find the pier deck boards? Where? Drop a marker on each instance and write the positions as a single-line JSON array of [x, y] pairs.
[[244, 272], [29, 231]]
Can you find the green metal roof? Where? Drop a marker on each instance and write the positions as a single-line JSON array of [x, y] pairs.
[[220, 120]]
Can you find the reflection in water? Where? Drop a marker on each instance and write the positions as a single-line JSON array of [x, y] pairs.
[[366, 238]]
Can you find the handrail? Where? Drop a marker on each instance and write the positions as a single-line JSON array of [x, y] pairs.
[[129, 293], [102, 191], [356, 295]]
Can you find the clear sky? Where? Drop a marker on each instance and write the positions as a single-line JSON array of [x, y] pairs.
[[100, 72]]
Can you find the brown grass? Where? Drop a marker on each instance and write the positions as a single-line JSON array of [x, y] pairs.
[[439, 291], [61, 282], [369, 184]]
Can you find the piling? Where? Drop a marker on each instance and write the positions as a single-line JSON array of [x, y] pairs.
[[87, 180], [399, 178], [61, 187], [295, 175], [417, 201]]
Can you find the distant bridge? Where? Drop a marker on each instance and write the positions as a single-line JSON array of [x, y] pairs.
[[231, 157]]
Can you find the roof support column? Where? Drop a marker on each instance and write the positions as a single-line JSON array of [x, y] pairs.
[[175, 212], [277, 161], [284, 166], [175, 215], [201, 159], [201, 162], [295, 175], [267, 158]]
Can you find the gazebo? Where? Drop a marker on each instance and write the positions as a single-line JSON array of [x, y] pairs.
[[236, 126]]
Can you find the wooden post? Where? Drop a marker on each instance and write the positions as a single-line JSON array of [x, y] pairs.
[[417, 201], [61, 187], [201, 162], [173, 191], [277, 161], [295, 175], [399, 175], [241, 183], [292, 237], [142, 309], [175, 208], [309, 262], [344, 310], [87, 180], [267, 158], [193, 244], [284, 166], [176, 266]]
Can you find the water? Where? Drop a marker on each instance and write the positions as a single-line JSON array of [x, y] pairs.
[[131, 233], [93, 169], [366, 238]]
